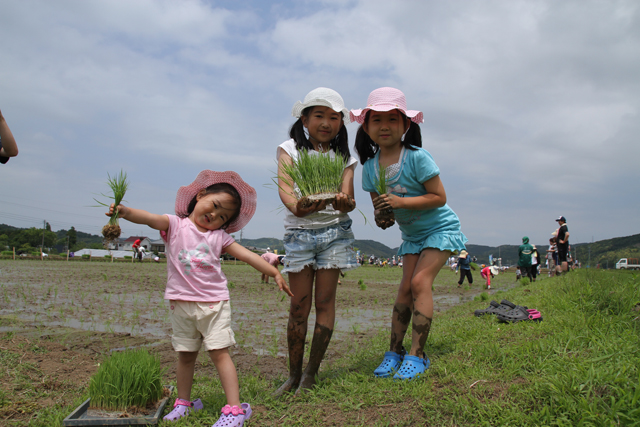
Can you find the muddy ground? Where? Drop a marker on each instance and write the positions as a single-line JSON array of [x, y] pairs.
[[58, 319]]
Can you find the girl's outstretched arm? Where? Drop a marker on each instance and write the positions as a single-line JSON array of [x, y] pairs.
[[254, 260], [138, 216], [436, 197], [9, 146]]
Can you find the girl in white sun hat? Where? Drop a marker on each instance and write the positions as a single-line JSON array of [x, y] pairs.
[[318, 240], [389, 140], [207, 210]]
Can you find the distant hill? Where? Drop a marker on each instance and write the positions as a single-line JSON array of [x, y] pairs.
[[603, 252]]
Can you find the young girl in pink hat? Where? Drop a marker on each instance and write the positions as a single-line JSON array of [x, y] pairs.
[[318, 240], [389, 140], [207, 211]]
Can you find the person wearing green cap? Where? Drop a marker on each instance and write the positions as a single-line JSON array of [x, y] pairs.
[[524, 257]]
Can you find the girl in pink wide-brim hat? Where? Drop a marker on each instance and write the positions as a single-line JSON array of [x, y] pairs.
[[207, 210], [389, 144]]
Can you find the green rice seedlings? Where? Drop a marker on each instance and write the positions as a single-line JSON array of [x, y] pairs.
[[131, 378], [118, 186], [314, 177], [381, 182], [385, 218]]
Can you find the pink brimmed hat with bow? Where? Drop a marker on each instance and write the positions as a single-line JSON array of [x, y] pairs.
[[207, 178], [386, 99]]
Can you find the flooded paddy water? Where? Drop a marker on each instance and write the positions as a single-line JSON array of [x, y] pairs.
[[79, 310]]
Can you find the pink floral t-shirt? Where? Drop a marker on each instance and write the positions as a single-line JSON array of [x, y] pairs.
[[193, 262]]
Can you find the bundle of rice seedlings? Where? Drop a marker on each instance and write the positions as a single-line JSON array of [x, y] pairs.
[[125, 380], [385, 217], [118, 185], [314, 177]]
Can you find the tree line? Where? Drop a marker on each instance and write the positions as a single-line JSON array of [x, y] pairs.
[[29, 240]]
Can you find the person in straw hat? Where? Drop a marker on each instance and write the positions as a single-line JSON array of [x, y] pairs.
[[207, 211], [464, 264], [487, 273]]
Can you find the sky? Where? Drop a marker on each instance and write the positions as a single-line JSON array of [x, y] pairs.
[[531, 107]]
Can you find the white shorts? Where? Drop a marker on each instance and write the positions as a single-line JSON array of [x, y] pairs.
[[197, 323]]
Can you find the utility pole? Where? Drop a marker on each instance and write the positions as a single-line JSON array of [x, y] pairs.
[[44, 227]]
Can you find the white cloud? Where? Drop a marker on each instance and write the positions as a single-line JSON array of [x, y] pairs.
[[531, 107]]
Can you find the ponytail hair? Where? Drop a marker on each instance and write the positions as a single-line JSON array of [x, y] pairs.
[[339, 144], [367, 149]]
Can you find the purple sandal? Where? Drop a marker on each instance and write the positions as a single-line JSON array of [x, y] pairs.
[[181, 408], [233, 416]]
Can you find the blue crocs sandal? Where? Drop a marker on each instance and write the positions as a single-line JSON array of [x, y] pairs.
[[412, 367], [390, 364]]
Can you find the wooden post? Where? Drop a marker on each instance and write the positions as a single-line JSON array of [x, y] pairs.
[[14, 253], [67, 254]]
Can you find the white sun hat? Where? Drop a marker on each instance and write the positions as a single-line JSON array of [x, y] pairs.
[[324, 97]]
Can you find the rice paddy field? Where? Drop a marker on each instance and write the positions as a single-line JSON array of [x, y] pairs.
[[579, 366]]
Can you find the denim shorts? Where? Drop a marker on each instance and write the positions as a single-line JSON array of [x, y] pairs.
[[321, 248]]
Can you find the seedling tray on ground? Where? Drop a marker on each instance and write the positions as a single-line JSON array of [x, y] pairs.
[[83, 416]]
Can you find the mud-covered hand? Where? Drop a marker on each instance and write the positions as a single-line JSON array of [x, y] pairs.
[[387, 201], [303, 209], [282, 285], [344, 203]]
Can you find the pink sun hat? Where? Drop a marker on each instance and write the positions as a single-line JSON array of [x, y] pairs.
[[386, 99], [206, 178]]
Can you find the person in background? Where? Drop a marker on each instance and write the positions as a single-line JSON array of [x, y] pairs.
[[8, 146], [272, 259], [550, 255], [487, 273], [464, 264], [563, 245], [535, 262], [524, 258], [136, 249]]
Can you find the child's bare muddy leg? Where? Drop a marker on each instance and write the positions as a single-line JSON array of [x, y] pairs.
[[325, 293], [301, 284], [426, 270], [403, 306]]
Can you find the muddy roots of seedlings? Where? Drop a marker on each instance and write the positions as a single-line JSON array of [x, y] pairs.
[[308, 201], [111, 232], [385, 218]]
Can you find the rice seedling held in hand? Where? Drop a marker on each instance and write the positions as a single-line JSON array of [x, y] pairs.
[[118, 185], [384, 218], [314, 177]]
